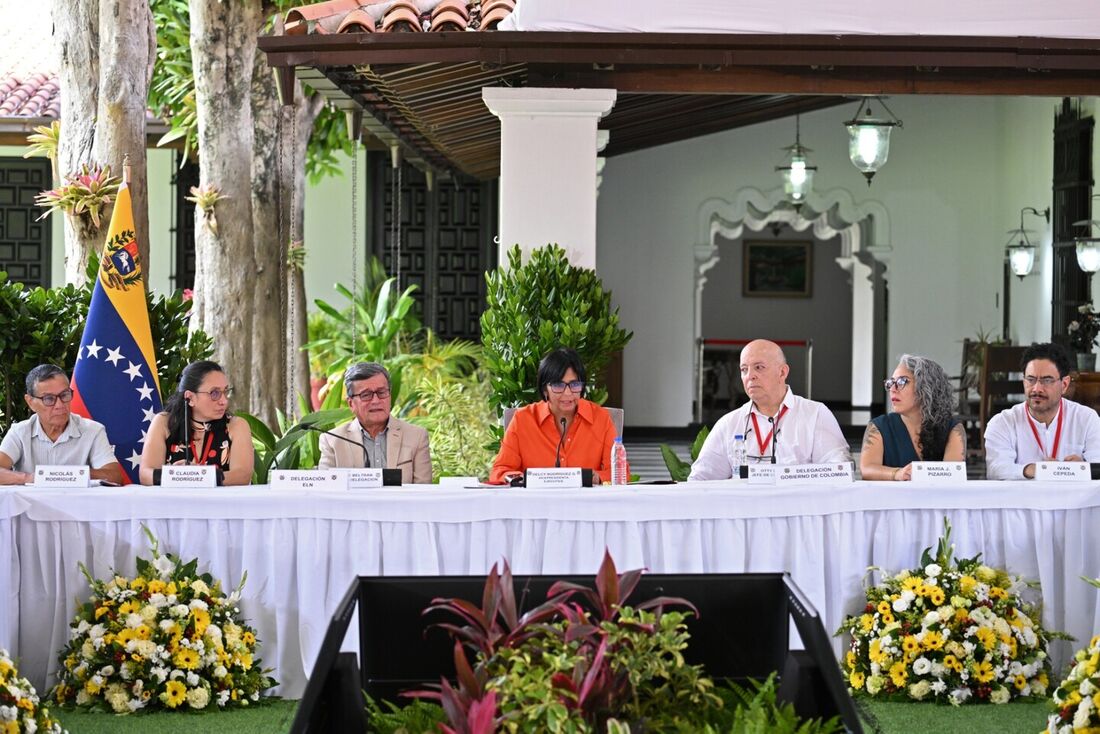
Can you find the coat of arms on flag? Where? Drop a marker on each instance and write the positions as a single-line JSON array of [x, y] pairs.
[[115, 379]]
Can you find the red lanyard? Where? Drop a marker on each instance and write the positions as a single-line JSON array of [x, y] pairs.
[[763, 442], [1057, 431], [207, 442]]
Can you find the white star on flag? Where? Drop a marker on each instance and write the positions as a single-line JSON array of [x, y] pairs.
[[93, 349], [134, 459], [134, 371], [146, 392], [149, 414], [114, 356], [143, 436]]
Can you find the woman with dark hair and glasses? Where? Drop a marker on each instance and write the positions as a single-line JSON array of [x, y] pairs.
[[563, 429], [920, 426], [196, 427]]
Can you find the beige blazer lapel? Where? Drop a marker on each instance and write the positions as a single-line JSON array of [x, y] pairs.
[[347, 454], [394, 437]]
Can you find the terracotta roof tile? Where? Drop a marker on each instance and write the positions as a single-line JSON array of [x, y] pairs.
[[396, 16], [32, 95]]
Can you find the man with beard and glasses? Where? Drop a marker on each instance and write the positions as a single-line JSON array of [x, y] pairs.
[[1047, 426]]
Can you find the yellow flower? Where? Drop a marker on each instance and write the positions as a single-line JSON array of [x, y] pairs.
[[174, 694], [888, 618], [912, 583], [11, 727], [1020, 682], [171, 588], [983, 671], [967, 585], [933, 640], [850, 659], [186, 659], [867, 622], [121, 583], [986, 637], [5, 667], [856, 680], [245, 660], [898, 674], [1096, 701], [950, 661], [923, 589], [26, 704], [138, 584], [910, 644], [125, 636], [127, 607], [936, 595], [248, 638], [884, 607], [876, 651], [996, 592], [91, 687], [156, 586], [100, 611], [202, 621]]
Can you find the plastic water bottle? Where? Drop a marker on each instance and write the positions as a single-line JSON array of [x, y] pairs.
[[620, 471], [737, 460]]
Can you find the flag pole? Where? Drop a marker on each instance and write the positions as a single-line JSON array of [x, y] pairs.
[[126, 170]]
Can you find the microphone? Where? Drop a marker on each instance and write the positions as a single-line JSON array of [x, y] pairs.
[[315, 429], [561, 444], [186, 433]]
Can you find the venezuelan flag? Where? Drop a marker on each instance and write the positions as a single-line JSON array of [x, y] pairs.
[[115, 379]]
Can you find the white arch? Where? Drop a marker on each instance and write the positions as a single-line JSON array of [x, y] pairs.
[[864, 231]]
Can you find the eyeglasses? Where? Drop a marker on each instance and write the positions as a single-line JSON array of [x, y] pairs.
[[1030, 380], [50, 400], [217, 393], [575, 386], [898, 382], [382, 393]]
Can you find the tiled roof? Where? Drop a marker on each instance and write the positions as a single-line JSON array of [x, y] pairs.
[[397, 16], [30, 95]]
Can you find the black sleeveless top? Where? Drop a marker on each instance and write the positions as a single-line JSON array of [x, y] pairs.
[[897, 447], [214, 448]]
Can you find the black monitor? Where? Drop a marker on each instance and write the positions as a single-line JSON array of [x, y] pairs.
[[742, 632]]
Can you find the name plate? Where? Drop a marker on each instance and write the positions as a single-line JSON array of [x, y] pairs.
[[554, 479], [762, 473], [816, 473], [193, 475], [1063, 471], [363, 478], [308, 479], [61, 476], [939, 472]]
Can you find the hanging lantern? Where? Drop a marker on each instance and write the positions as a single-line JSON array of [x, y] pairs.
[[1021, 255], [869, 138], [797, 174], [1088, 247]]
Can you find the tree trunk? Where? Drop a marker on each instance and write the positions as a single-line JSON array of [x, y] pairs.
[[128, 44], [223, 50], [77, 35], [269, 229], [306, 111]]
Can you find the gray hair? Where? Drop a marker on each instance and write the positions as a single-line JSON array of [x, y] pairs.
[[41, 373], [932, 388], [363, 371]]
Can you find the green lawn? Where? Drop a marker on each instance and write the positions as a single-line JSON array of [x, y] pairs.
[[271, 718], [1019, 717]]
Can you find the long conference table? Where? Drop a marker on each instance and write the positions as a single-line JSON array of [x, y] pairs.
[[302, 550]]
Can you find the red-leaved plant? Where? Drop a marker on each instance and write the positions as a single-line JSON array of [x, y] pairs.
[[596, 689]]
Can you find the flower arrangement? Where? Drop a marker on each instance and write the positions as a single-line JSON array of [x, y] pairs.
[[19, 706], [85, 193], [949, 630], [1077, 698], [167, 638], [1083, 331]]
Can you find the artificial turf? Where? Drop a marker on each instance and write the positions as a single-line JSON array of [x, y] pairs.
[[1022, 717], [273, 717]]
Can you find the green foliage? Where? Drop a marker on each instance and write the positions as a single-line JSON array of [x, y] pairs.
[[288, 445], [172, 92], [539, 306], [757, 711], [40, 325], [456, 413], [678, 470], [418, 717]]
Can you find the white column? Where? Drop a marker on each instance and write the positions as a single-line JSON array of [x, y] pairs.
[[548, 145]]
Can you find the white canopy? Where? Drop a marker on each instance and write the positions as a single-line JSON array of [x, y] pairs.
[[1005, 18]]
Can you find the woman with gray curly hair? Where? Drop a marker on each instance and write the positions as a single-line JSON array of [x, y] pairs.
[[920, 426]]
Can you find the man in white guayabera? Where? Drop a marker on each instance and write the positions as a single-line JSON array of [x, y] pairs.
[[1046, 426], [779, 427]]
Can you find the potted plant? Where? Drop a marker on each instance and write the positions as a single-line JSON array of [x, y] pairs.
[[1082, 336]]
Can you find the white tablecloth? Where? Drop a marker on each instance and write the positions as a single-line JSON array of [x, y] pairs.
[[301, 551]]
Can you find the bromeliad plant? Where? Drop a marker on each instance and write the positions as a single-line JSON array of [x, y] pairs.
[[167, 638], [565, 666], [83, 195], [948, 630]]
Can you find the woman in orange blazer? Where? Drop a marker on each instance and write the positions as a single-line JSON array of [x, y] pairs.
[[536, 431]]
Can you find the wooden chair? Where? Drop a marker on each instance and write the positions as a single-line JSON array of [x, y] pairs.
[[1001, 379], [616, 418]]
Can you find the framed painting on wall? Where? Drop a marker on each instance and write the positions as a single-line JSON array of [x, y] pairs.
[[777, 269]]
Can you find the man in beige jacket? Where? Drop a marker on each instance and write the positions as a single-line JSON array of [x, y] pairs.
[[375, 438]]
